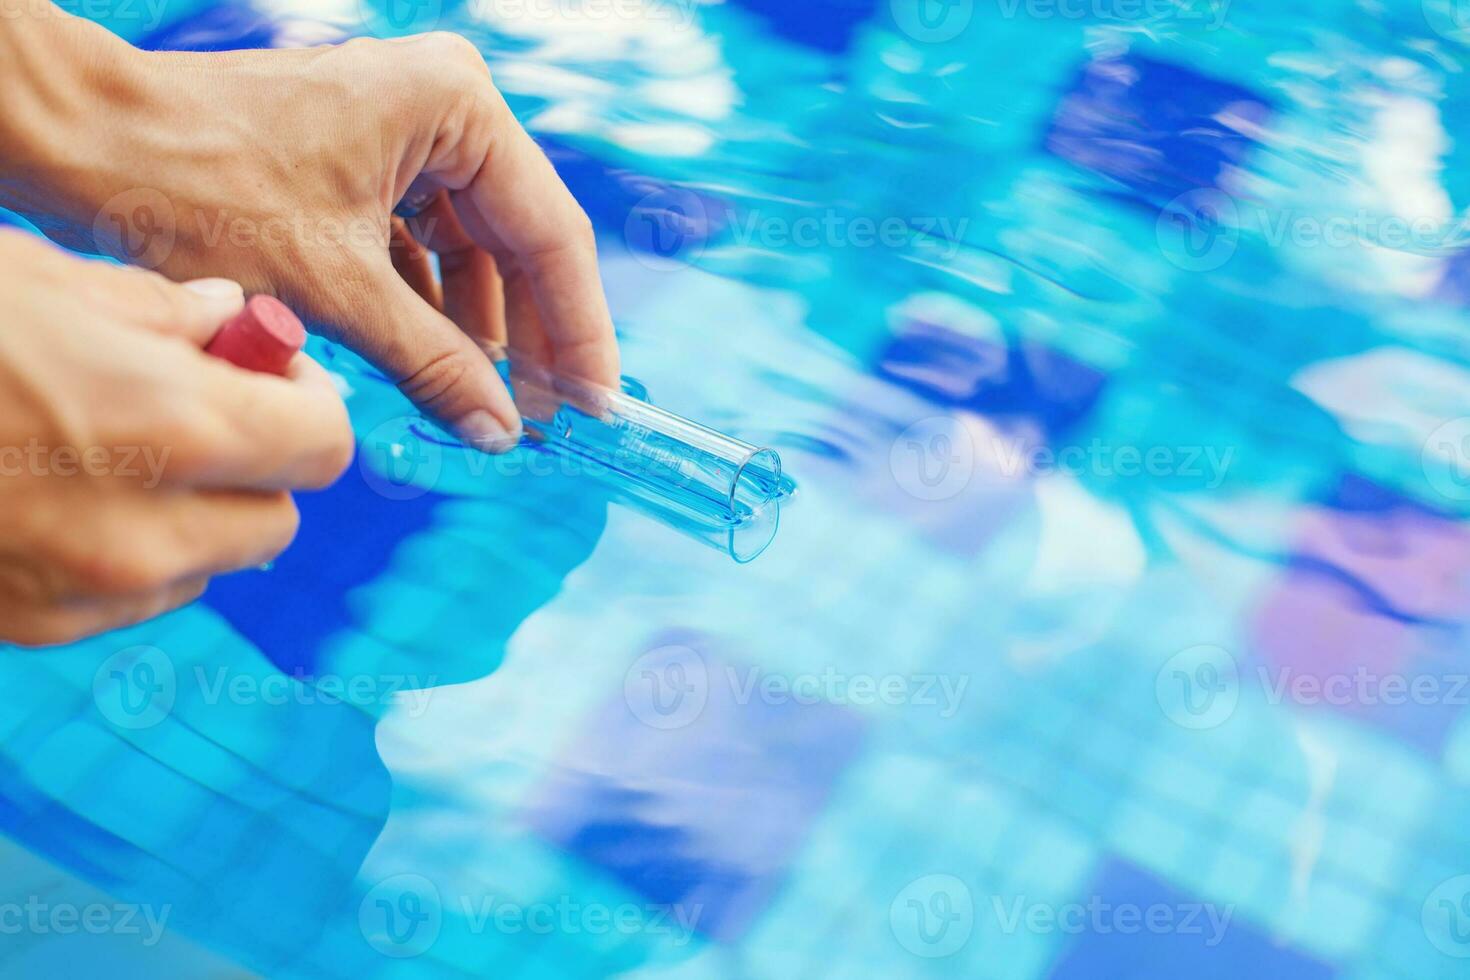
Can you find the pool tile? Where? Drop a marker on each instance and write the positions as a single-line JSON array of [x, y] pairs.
[[825, 25], [707, 813], [1241, 951], [958, 371], [1156, 128]]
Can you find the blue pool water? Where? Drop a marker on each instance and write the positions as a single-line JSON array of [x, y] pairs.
[[1118, 629]]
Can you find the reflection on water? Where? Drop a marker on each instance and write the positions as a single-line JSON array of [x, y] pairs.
[[1121, 358]]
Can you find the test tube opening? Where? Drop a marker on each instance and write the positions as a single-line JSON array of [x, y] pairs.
[[757, 482]]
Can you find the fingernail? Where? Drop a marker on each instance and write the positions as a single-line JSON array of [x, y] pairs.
[[485, 432], [220, 289]]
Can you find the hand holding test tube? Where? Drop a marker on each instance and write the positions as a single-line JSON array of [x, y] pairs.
[[691, 465]]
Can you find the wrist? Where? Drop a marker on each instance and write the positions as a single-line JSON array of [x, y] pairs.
[[74, 91]]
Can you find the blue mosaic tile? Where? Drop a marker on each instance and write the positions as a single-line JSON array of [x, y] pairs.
[[222, 27], [307, 598], [1234, 949], [826, 25], [1158, 129], [707, 810]]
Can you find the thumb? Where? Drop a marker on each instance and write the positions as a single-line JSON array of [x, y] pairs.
[[193, 311], [432, 361]]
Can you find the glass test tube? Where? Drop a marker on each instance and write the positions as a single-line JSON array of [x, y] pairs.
[[688, 463]]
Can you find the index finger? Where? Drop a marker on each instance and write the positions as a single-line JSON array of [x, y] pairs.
[[263, 432], [516, 207]]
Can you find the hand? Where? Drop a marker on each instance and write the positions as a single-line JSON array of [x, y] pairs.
[[281, 170], [133, 467]]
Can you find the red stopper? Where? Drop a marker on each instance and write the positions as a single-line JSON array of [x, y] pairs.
[[264, 337]]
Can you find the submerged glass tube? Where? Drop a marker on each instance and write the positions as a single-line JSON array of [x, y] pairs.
[[691, 464], [622, 436]]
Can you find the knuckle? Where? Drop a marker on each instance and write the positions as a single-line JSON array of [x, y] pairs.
[[185, 442], [286, 523], [42, 631], [16, 244], [159, 301], [120, 571], [336, 458], [433, 384], [363, 47], [272, 532], [454, 49], [580, 227]]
